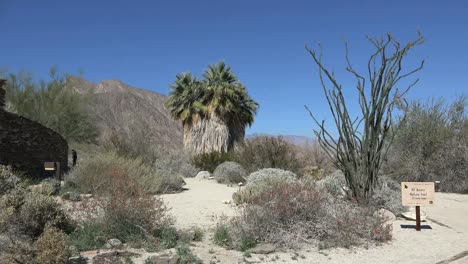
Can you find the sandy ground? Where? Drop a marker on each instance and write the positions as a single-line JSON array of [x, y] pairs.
[[202, 204]]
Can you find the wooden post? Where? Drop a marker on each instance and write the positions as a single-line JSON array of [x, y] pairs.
[[418, 218]]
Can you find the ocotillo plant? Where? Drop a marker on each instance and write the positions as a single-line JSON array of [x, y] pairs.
[[362, 142]]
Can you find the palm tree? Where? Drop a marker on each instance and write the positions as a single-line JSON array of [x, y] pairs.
[[214, 111]]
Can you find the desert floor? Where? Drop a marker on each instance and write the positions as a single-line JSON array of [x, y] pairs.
[[447, 242]]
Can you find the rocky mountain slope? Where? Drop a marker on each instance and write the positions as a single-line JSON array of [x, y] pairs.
[[129, 113]]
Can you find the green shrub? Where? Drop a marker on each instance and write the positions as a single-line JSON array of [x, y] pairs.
[[268, 152], [52, 247], [96, 174], [261, 181], [48, 187], [209, 161], [174, 162], [8, 179], [39, 211], [432, 144], [186, 256], [198, 234], [169, 237], [53, 103], [130, 214], [89, 236], [222, 235]]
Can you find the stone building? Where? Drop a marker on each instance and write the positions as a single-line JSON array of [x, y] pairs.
[[27, 145]]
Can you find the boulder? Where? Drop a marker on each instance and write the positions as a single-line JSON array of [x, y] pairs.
[[385, 214], [72, 196], [203, 175], [264, 248], [411, 215], [163, 259], [113, 243], [230, 172]]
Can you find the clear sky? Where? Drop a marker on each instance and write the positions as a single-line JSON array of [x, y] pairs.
[[146, 43]]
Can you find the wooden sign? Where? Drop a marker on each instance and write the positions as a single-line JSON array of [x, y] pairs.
[[417, 193], [49, 166]]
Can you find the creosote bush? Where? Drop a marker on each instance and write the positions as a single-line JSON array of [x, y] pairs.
[[96, 174], [259, 181], [209, 161], [432, 144], [268, 152], [52, 247]]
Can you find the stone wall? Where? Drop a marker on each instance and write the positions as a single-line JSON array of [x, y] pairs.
[[26, 145]]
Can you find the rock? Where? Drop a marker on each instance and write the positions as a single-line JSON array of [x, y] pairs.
[[113, 257], [385, 214], [113, 243], [262, 249], [252, 260], [163, 259], [227, 202], [72, 196], [203, 175], [77, 260], [411, 215], [86, 196], [230, 172]]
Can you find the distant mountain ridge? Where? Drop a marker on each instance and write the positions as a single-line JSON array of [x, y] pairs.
[[130, 113]]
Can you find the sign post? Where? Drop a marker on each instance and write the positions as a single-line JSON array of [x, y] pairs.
[[417, 194]]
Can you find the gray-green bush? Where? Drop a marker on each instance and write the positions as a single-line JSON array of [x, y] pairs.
[[230, 172], [95, 175], [432, 144], [268, 152]]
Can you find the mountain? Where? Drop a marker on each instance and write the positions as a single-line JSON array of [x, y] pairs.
[[132, 114], [293, 139]]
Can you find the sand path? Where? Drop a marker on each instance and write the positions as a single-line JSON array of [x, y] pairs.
[[446, 242]]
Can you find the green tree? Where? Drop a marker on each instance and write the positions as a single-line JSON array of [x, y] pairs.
[[214, 111], [363, 142], [55, 103]]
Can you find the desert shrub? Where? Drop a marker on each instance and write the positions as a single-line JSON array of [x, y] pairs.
[[334, 183], [387, 194], [297, 212], [129, 214], [313, 161], [169, 237], [28, 213], [19, 250], [186, 256], [52, 247], [48, 187], [230, 172], [222, 235], [313, 172], [268, 152], [89, 236], [259, 181], [432, 144], [95, 175], [39, 211], [8, 179], [209, 161], [173, 162]]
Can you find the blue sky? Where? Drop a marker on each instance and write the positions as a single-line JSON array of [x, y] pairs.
[[146, 43]]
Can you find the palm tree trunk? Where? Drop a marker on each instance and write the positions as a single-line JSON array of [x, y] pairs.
[[211, 134]]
